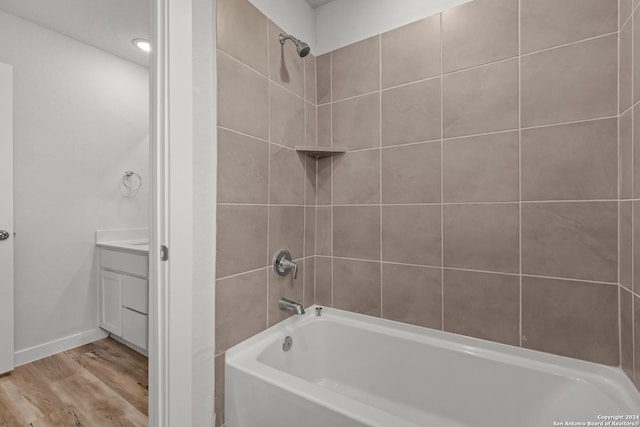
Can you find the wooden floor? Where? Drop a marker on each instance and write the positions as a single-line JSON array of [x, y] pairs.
[[100, 384]]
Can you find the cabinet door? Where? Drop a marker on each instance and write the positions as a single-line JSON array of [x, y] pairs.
[[111, 297], [134, 327]]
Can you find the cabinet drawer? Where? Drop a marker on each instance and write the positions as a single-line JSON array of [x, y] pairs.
[[134, 328], [125, 262], [135, 293]]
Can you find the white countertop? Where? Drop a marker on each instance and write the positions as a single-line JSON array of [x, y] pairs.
[[130, 240], [140, 246]]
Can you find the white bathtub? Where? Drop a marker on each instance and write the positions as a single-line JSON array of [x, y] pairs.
[[347, 370]]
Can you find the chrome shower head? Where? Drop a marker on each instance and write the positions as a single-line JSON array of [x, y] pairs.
[[302, 47]]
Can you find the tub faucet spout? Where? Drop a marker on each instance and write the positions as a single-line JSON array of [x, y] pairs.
[[286, 304]]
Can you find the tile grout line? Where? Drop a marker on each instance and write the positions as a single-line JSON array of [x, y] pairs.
[[513, 202], [501, 273], [634, 294], [426, 79], [268, 76], [380, 163], [635, 103], [232, 276], [331, 164], [508, 202], [441, 175], [280, 205], [570, 122], [380, 147], [629, 108], [349, 98], [317, 163], [304, 182], [520, 336], [453, 138], [573, 43], [243, 134], [633, 189], [570, 279], [620, 175], [622, 24], [523, 55], [315, 239], [498, 132], [619, 325], [277, 144], [253, 270], [538, 276], [315, 231], [269, 170], [633, 278], [619, 188]]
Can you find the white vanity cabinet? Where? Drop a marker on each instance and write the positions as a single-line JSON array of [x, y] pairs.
[[124, 296]]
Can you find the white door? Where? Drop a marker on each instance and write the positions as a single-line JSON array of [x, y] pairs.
[[6, 218]]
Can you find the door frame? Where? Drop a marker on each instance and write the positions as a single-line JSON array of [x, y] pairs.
[[171, 222]]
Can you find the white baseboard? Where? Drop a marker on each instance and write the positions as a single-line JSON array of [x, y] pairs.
[[38, 352]]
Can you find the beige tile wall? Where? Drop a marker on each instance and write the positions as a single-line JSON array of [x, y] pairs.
[[482, 197], [480, 193], [629, 188], [266, 190]]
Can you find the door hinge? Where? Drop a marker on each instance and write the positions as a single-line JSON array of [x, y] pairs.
[[164, 253]]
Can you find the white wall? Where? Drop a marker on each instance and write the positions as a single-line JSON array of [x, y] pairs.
[[343, 22], [294, 16], [81, 121]]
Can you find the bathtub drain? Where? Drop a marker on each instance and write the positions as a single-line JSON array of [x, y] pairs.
[[286, 345]]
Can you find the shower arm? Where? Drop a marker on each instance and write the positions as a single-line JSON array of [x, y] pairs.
[[284, 38]]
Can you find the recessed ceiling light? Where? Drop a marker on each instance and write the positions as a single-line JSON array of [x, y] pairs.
[[142, 44]]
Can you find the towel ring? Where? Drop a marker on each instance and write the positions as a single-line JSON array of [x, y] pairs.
[[132, 180]]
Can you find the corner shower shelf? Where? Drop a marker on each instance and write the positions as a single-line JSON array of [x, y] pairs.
[[321, 151]]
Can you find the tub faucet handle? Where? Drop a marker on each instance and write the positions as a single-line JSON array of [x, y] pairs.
[[289, 265], [282, 263]]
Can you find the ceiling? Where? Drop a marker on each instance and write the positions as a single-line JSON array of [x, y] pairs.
[[317, 3], [109, 25]]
